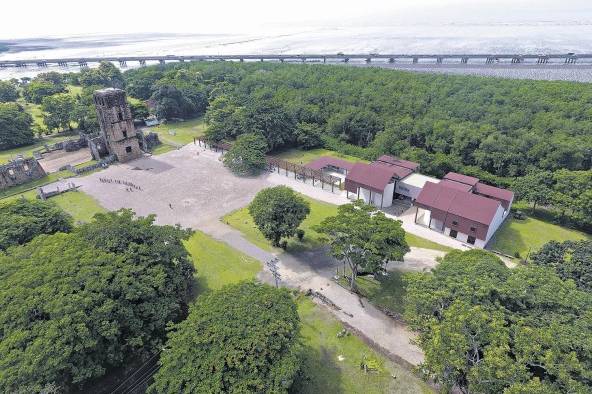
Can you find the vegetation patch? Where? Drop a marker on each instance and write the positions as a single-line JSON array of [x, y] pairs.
[[300, 156], [79, 205], [530, 234], [180, 133]]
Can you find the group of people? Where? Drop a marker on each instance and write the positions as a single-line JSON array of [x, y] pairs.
[[131, 186]]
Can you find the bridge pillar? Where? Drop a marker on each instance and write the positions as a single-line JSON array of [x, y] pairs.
[[162, 61], [439, 60], [517, 60], [21, 65], [122, 63], [571, 60], [415, 60], [41, 64], [391, 60], [2, 65], [142, 62], [261, 59], [464, 60], [346, 60], [368, 60], [324, 59], [303, 60], [83, 64], [242, 59], [489, 60], [182, 60], [543, 60]]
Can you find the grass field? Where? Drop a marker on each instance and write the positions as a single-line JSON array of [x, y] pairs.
[[530, 234], [331, 364], [80, 205], [386, 291], [300, 156], [162, 148], [242, 221], [180, 133]]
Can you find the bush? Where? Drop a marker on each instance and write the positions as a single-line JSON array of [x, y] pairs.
[[15, 126], [300, 234], [240, 339]]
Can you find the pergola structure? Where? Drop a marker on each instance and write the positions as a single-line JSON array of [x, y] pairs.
[[303, 172]]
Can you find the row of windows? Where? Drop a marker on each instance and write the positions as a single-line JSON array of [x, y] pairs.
[[455, 223]]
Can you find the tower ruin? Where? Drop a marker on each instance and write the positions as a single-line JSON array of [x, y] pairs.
[[117, 126]]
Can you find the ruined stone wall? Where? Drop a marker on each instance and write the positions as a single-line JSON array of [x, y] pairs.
[[20, 171]]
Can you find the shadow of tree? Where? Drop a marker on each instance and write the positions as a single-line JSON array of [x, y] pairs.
[[318, 374]]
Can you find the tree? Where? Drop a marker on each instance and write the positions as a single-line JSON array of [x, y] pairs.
[[278, 212], [489, 329], [308, 135], [73, 306], [15, 126], [247, 155], [23, 220], [43, 85], [535, 187], [58, 111], [139, 110], [363, 238], [213, 351], [355, 126], [8, 91], [570, 259], [106, 75]]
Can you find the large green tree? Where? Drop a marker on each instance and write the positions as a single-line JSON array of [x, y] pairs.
[[363, 238], [106, 75], [15, 126], [571, 260], [278, 211], [58, 111], [23, 220], [73, 306], [240, 339], [485, 328], [8, 91], [247, 155]]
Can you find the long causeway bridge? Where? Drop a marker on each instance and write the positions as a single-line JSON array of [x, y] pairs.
[[459, 59]]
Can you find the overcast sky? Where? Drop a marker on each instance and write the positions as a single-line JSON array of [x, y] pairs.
[[44, 18]]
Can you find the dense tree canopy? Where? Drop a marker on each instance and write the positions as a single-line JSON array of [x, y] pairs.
[[8, 91], [363, 238], [278, 211], [486, 328], [240, 339], [106, 75], [570, 259], [23, 220], [58, 111], [43, 85], [247, 155], [74, 305], [15, 126]]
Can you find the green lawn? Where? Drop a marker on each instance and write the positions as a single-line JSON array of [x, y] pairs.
[[80, 205], [331, 364], [180, 133], [27, 151], [300, 156], [530, 234], [386, 291], [242, 221], [36, 113], [217, 264], [162, 148]]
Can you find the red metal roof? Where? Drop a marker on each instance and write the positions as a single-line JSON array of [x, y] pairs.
[[456, 185], [368, 176], [397, 171], [325, 161], [398, 162], [503, 195], [460, 203], [467, 180]]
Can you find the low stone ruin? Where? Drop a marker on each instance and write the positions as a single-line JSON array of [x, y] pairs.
[[20, 171]]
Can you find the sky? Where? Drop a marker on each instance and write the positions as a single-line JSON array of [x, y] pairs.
[[50, 18]]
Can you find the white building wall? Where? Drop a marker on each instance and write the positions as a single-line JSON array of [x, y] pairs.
[[387, 197], [462, 237], [498, 219]]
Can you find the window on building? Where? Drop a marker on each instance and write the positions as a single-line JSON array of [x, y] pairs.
[[10, 172], [454, 223], [124, 131], [453, 233], [120, 115], [471, 240], [128, 149], [473, 229], [25, 167]]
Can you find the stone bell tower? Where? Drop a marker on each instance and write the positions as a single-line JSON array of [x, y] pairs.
[[117, 126]]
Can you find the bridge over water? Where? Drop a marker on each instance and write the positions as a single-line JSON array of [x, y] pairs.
[[418, 59]]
